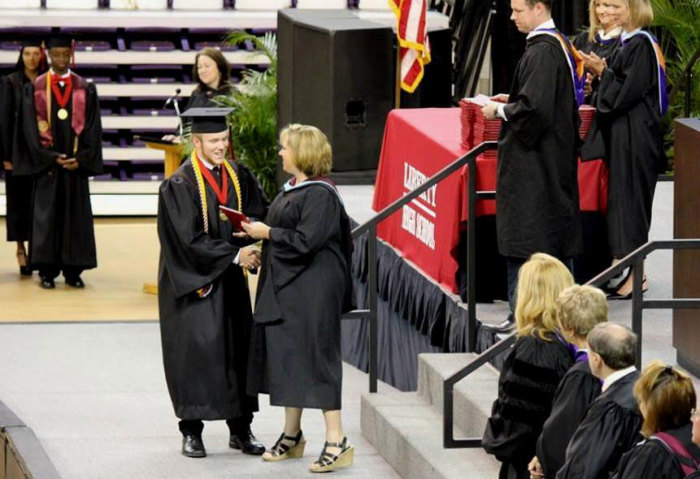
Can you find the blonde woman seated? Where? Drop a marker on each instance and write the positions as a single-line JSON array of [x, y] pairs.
[[666, 398], [305, 287], [533, 368]]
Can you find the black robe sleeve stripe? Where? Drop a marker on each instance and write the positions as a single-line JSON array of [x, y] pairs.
[[89, 154], [32, 159], [192, 257]]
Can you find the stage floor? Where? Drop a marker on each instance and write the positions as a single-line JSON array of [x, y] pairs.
[[127, 256]]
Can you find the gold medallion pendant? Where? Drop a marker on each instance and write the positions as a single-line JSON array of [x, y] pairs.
[[223, 216], [43, 126], [62, 114]]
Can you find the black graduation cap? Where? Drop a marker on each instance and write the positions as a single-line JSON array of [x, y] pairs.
[[31, 42], [58, 40], [208, 120]]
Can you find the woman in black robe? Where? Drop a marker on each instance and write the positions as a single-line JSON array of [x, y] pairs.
[[18, 189], [533, 368], [666, 398], [579, 309], [630, 103], [602, 36], [306, 287]]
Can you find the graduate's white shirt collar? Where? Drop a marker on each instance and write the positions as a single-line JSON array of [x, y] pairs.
[[65, 75], [614, 33], [549, 24], [616, 376], [207, 165], [625, 35]]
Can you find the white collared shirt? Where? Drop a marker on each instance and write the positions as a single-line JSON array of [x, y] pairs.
[[614, 33], [616, 376]]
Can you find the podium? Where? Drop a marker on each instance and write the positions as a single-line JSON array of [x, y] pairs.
[[686, 263], [171, 162]]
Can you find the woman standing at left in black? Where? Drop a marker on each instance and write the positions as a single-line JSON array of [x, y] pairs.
[[30, 64]]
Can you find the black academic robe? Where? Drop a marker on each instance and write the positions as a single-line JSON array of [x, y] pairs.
[[203, 96], [629, 120], [602, 48], [537, 206], [302, 295], [651, 459], [205, 340], [18, 189], [575, 393], [62, 230], [610, 428], [526, 387]]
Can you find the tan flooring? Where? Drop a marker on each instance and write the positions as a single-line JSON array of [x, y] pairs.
[[127, 257]]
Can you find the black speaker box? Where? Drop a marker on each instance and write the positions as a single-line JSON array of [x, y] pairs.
[[335, 72]]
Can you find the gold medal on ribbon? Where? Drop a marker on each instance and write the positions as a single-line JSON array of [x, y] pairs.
[[223, 216], [43, 126], [62, 114]]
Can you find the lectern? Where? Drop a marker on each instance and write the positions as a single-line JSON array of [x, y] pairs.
[[686, 224]]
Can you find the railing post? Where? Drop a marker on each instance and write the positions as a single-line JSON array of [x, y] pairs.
[[471, 258], [637, 280], [372, 285]]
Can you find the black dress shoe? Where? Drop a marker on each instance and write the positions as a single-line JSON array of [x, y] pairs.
[[192, 446], [25, 270], [247, 443], [75, 282], [47, 283]]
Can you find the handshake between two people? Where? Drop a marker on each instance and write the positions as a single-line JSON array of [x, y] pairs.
[[250, 255]]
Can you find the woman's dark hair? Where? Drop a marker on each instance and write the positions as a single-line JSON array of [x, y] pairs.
[[222, 65], [41, 69]]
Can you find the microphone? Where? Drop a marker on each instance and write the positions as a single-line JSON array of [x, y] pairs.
[[172, 98]]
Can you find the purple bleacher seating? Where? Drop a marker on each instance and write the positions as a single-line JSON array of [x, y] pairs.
[[152, 112], [224, 47], [152, 46], [92, 46]]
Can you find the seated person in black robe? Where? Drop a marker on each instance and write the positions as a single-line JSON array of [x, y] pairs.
[[537, 181], [306, 288], [203, 297], [58, 141], [666, 399], [18, 189], [611, 425], [533, 368], [579, 309]]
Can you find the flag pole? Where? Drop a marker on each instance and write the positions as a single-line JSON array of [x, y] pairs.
[[397, 83]]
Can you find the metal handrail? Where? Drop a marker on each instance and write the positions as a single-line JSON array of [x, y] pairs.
[[634, 260], [370, 227]]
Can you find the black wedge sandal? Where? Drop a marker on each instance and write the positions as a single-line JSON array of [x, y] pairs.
[[281, 451], [328, 462]]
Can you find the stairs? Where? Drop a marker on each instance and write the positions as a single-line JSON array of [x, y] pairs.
[[406, 427]]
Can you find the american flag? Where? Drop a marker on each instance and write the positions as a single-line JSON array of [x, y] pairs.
[[412, 34]]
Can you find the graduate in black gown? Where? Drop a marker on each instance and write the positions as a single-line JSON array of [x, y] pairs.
[[537, 183], [307, 285], [533, 368], [630, 102], [18, 189], [613, 421], [602, 36], [579, 309], [203, 296], [666, 398], [59, 143]]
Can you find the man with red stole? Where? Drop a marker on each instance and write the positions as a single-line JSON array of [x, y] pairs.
[[59, 135]]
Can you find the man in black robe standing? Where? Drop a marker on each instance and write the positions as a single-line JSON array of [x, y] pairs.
[[58, 140], [537, 207], [203, 297], [613, 421]]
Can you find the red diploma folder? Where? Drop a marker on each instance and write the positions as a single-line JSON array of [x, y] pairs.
[[235, 217]]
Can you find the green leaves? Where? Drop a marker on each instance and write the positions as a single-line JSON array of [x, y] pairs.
[[254, 118]]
